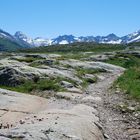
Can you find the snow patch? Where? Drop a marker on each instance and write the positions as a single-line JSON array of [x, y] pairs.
[[135, 39], [112, 42], [63, 42]]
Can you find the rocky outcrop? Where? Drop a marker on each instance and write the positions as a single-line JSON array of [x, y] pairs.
[[101, 66], [11, 77], [36, 122], [101, 57], [76, 124]]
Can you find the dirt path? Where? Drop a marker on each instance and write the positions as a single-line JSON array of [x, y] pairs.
[[116, 126]]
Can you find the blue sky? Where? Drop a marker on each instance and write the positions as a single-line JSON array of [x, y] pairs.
[[50, 18]]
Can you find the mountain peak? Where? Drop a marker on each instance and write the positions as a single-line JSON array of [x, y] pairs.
[[111, 35], [20, 34]]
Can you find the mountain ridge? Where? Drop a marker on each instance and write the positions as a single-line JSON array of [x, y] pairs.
[[21, 40], [67, 39]]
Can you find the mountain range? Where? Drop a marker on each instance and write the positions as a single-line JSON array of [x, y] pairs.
[[20, 40]]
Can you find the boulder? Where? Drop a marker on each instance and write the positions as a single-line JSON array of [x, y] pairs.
[[11, 77], [75, 90], [91, 100], [37, 56], [90, 78], [102, 57], [66, 84], [101, 66], [67, 95], [133, 53], [47, 62]]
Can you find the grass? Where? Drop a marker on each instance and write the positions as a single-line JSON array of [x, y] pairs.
[[81, 72], [74, 55], [50, 84], [56, 62], [41, 85], [126, 61], [129, 82], [53, 83], [76, 47], [87, 81], [34, 64]]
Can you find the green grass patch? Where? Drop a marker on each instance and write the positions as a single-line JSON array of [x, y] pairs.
[[129, 82], [87, 81], [82, 71], [56, 63], [41, 85], [76, 47], [126, 61], [50, 84]]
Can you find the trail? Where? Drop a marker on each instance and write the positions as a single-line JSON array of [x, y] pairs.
[[116, 126]]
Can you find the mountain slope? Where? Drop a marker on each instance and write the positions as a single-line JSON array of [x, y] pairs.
[[23, 39], [10, 43], [130, 38], [32, 42]]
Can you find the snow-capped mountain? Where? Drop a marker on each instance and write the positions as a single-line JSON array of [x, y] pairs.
[[6, 35], [41, 42], [9, 42], [32, 42], [65, 39], [24, 41], [21, 36], [134, 37], [109, 39]]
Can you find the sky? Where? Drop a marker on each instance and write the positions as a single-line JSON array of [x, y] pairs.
[[50, 18]]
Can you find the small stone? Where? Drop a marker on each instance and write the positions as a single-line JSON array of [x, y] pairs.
[[131, 108], [21, 121], [66, 84], [27, 118], [106, 136], [117, 91]]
